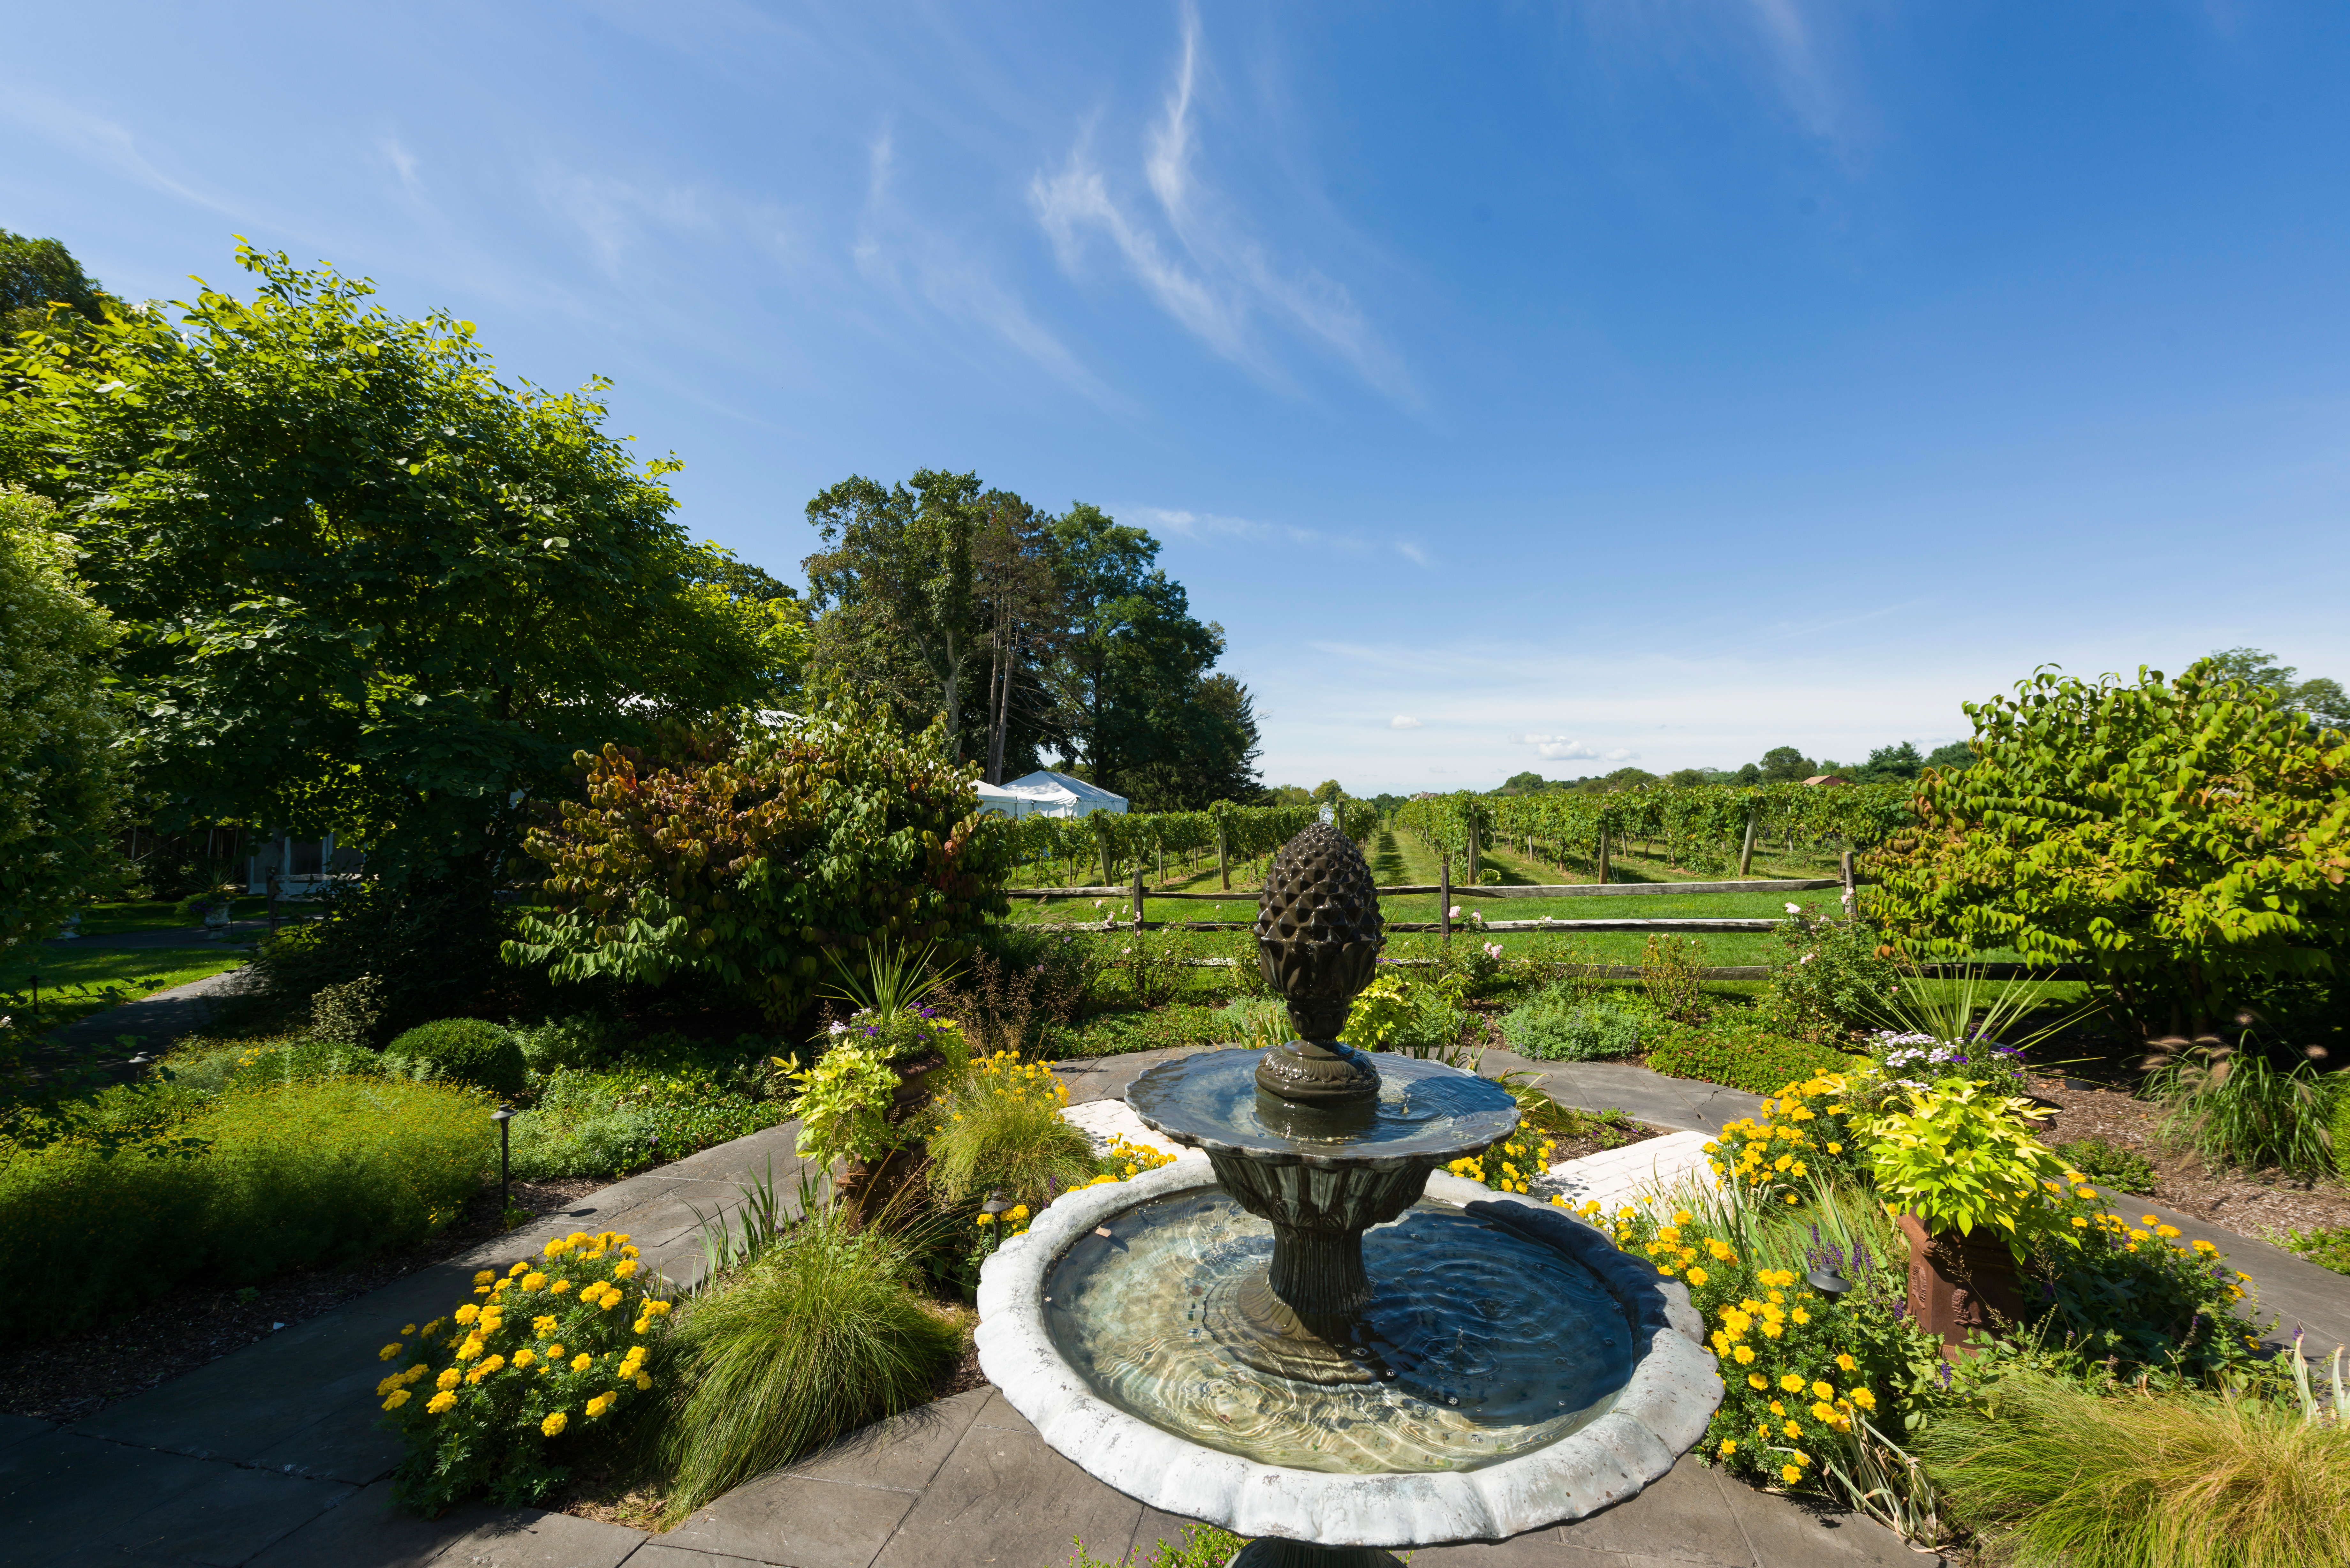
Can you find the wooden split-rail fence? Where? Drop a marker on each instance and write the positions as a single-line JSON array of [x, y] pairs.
[[1138, 893]]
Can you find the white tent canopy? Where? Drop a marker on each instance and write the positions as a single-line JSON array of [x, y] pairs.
[[1048, 794]]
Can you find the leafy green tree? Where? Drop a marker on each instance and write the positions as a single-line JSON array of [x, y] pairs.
[[1525, 782], [1748, 776], [2183, 842], [1781, 764], [364, 587], [1206, 751], [59, 782], [1898, 762], [1953, 758], [36, 275], [1686, 778], [1627, 778], [2320, 697], [896, 589]]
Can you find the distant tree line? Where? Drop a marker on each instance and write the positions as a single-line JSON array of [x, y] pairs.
[[1031, 634]]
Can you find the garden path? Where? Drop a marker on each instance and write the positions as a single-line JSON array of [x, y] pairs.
[[153, 1020], [271, 1456]]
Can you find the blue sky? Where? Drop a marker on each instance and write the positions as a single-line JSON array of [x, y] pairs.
[[1524, 386]]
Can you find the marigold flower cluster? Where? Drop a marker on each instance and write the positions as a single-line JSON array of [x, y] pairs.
[[555, 1338], [1793, 1370], [1511, 1165], [1806, 1130]]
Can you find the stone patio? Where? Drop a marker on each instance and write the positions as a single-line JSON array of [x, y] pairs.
[[271, 1456]]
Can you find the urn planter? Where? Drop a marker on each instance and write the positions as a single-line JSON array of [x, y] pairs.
[[1961, 1282]]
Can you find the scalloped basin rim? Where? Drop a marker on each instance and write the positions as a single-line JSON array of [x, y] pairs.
[[1209, 1100], [1661, 1411]]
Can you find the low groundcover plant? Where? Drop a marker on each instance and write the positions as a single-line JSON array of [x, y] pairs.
[[489, 1398]]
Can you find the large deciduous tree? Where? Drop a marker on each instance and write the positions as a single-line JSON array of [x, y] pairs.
[[59, 783], [2186, 840], [364, 586]]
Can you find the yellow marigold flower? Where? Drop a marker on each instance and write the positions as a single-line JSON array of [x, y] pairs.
[[2166, 1231], [1773, 1330], [661, 1309], [468, 1312], [534, 1280], [2203, 1247], [2080, 1223], [1742, 1356], [1720, 1342], [644, 1380], [523, 1358], [1835, 1149], [582, 1362], [386, 1384], [545, 1324], [1844, 1363], [409, 1329], [389, 1351], [440, 1402], [1824, 1411], [1790, 1382], [1864, 1398], [398, 1398], [1697, 1276], [560, 1286], [1822, 1391], [640, 1325], [484, 1277], [1729, 1447], [1790, 1474], [553, 1425], [1756, 1380], [1799, 1316], [518, 1269], [624, 1269], [492, 1364], [1792, 1429], [448, 1379], [1777, 1408]]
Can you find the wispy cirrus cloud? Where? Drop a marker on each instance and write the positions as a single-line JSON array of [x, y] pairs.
[[896, 250], [1555, 748], [1193, 257], [1202, 527]]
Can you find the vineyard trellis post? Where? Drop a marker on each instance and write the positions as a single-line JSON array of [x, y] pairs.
[[1444, 900], [1746, 848], [1223, 859], [1602, 876], [1101, 837], [1138, 895], [1851, 899]]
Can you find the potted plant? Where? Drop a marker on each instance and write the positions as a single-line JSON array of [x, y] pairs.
[[1967, 1181]]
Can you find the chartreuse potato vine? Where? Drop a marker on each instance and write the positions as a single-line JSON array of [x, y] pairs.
[[2181, 839], [1961, 1156]]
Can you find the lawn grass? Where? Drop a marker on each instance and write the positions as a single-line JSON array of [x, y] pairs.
[[77, 981], [125, 917]]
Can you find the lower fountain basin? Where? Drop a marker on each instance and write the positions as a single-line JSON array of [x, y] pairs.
[[1371, 1461], [1477, 1344]]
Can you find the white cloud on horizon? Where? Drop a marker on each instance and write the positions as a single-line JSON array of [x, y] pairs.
[[1404, 721]]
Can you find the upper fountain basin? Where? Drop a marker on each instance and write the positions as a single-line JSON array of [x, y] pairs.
[[1426, 1112]]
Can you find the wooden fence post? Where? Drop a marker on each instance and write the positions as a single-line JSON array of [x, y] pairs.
[[1746, 850], [1138, 898], [1101, 837], [1851, 898], [1163, 865], [1444, 900], [1223, 864], [1603, 855]]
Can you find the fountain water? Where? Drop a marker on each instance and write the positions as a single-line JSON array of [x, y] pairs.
[[1334, 1347]]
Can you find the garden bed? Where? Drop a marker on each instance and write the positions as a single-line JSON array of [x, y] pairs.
[[74, 1377], [2250, 1203]]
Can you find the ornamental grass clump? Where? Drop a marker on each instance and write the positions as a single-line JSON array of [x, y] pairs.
[[1000, 1129], [498, 1397], [825, 1331], [2056, 1475]]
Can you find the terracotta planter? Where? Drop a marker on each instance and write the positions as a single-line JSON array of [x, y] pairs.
[[1958, 1283], [867, 1186]]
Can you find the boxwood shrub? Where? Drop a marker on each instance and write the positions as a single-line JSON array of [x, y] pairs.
[[464, 1050], [1740, 1055]]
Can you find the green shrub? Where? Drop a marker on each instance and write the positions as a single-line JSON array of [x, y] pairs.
[[553, 1355], [1831, 979], [351, 1013], [431, 945], [2341, 1130], [586, 1122], [822, 1334], [2109, 1164], [1740, 1054], [231, 1192], [462, 1051], [1409, 1016], [2055, 1474], [576, 1040], [1554, 1027]]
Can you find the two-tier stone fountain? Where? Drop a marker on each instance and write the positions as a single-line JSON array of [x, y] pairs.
[[1332, 1346]]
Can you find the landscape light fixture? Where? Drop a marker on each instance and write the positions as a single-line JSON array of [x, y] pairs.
[[995, 1205], [1828, 1283], [503, 1116]]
